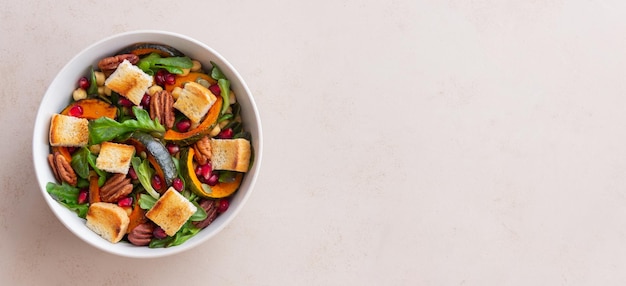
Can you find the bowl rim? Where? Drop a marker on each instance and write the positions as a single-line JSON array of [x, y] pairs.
[[250, 178]]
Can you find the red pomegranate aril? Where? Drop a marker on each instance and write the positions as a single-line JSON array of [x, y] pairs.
[[222, 206], [178, 185], [206, 171], [172, 148], [83, 83], [213, 180], [82, 197], [226, 134], [159, 77], [125, 102], [125, 202], [183, 125], [156, 182], [76, 111], [170, 79], [215, 89], [132, 173], [145, 101], [159, 233]]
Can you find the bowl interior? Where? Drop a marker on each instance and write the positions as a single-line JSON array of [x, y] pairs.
[[58, 95]]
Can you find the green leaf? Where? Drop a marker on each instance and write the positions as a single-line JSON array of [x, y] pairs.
[[146, 201], [216, 72], [93, 85], [144, 173], [102, 175], [67, 196], [80, 162], [200, 213], [224, 85], [187, 231], [153, 62], [106, 129]]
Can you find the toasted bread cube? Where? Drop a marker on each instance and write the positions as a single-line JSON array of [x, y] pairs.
[[115, 157], [129, 81], [230, 154], [194, 101], [68, 131], [171, 211], [108, 220]]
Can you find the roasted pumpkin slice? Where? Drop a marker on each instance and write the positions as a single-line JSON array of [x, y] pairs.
[[192, 76], [191, 136], [158, 156], [146, 48], [221, 190], [92, 108]]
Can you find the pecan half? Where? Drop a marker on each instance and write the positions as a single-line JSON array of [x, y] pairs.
[[141, 234], [211, 213], [202, 149], [62, 169], [116, 187], [109, 64], [162, 107]]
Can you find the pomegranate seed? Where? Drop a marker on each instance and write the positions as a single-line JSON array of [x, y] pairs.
[[183, 125], [198, 170], [145, 101], [178, 185], [159, 233], [215, 89], [132, 173], [226, 134], [172, 148], [222, 206], [170, 79], [213, 179], [83, 83], [76, 111], [125, 102], [206, 171], [125, 202], [72, 149], [159, 77], [82, 196], [156, 182]]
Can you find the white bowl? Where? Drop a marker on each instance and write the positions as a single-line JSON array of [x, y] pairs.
[[59, 94]]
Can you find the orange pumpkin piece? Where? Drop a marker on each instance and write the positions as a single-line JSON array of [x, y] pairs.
[[94, 189], [191, 136], [192, 76], [137, 215], [93, 108]]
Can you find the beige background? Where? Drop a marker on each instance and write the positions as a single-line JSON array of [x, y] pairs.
[[406, 142]]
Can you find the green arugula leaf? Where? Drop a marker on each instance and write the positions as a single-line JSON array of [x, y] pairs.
[[224, 85], [68, 197], [93, 85], [200, 213], [144, 173], [106, 129], [146, 202], [187, 231], [80, 162], [153, 62]]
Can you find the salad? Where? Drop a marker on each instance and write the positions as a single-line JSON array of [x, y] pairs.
[[150, 148]]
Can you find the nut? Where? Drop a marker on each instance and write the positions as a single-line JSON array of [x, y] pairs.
[[107, 65], [202, 150], [115, 188], [162, 107], [62, 169], [141, 234]]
